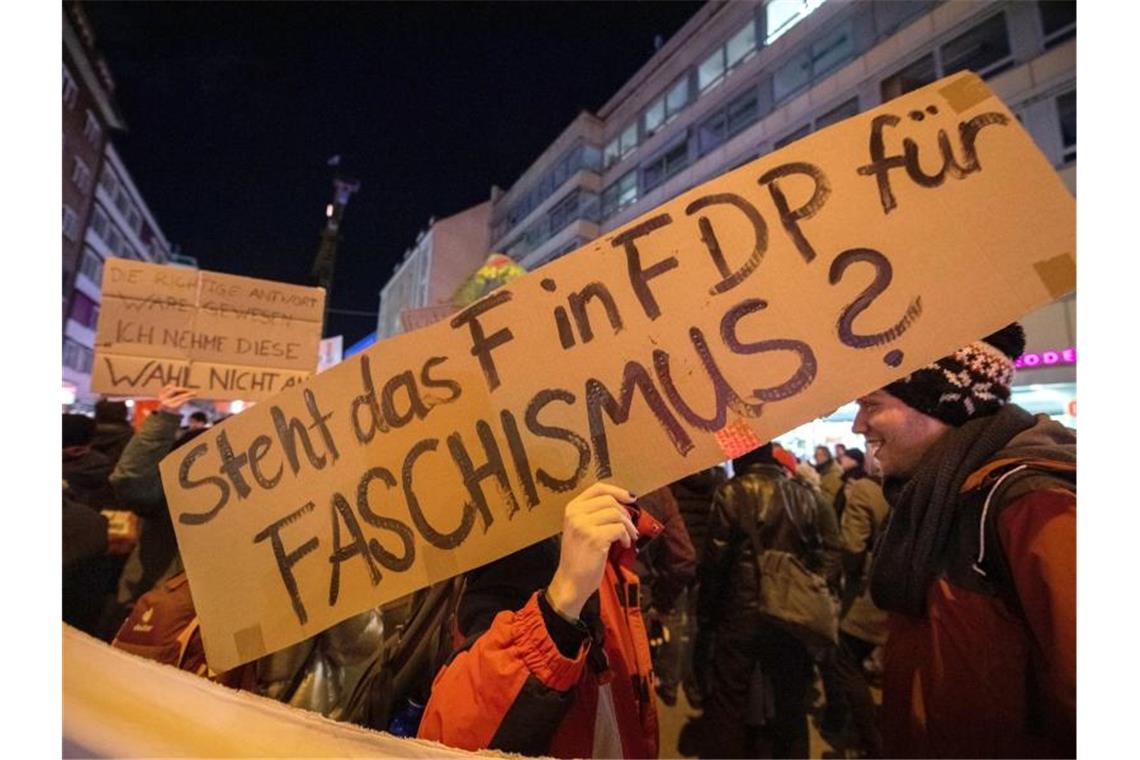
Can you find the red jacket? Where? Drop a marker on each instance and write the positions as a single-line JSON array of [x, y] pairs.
[[978, 677], [513, 690]]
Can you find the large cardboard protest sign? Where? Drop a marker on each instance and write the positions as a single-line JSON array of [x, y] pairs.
[[730, 314], [227, 336]]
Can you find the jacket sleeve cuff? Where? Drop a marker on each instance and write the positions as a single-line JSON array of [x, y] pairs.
[[542, 655]]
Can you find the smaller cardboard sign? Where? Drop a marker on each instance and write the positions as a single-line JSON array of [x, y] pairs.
[[230, 337]]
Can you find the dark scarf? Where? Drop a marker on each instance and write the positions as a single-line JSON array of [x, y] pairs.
[[910, 553]]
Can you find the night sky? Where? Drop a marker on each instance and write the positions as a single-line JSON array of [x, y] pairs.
[[233, 110]]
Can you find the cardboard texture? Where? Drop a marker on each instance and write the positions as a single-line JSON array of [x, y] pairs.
[[118, 705], [734, 312], [231, 337]]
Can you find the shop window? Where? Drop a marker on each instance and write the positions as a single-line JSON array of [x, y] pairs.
[[792, 76], [665, 166], [983, 49], [91, 266], [918, 74], [788, 139], [1067, 113], [782, 15], [70, 89], [70, 223], [1058, 20], [843, 111], [80, 175], [92, 131]]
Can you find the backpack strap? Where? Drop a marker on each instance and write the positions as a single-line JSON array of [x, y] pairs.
[[1060, 474]]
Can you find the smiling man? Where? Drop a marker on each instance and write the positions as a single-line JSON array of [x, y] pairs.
[[977, 563]]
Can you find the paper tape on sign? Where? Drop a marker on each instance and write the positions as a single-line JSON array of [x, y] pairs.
[[728, 315], [226, 336]]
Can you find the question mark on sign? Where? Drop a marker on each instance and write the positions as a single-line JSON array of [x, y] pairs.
[[883, 275]]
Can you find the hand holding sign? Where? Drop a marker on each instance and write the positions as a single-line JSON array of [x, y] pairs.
[[172, 397], [593, 521]]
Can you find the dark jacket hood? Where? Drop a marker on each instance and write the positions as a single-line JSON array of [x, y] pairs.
[[1047, 439]]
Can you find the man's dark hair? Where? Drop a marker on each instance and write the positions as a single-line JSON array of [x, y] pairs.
[[78, 430], [199, 417], [110, 411]]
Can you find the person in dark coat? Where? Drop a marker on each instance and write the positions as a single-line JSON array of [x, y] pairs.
[[85, 470], [760, 673], [138, 486], [112, 430]]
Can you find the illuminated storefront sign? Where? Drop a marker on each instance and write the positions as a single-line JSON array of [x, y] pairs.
[[1047, 358]]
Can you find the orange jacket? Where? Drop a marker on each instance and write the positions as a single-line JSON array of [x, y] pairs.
[[513, 690], [976, 676]]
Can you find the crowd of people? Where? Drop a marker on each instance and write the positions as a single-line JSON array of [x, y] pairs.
[[938, 566]]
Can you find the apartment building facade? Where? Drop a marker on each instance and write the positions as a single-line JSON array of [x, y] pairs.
[[89, 115], [120, 224], [743, 79]]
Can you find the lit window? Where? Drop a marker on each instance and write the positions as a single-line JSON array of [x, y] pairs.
[[619, 195], [70, 89], [983, 49], [782, 15], [92, 131], [628, 139], [611, 154], [70, 223], [741, 45], [1067, 113], [1058, 20], [711, 72], [80, 175], [654, 116], [677, 98]]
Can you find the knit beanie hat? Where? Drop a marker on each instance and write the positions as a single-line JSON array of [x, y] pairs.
[[973, 381]]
